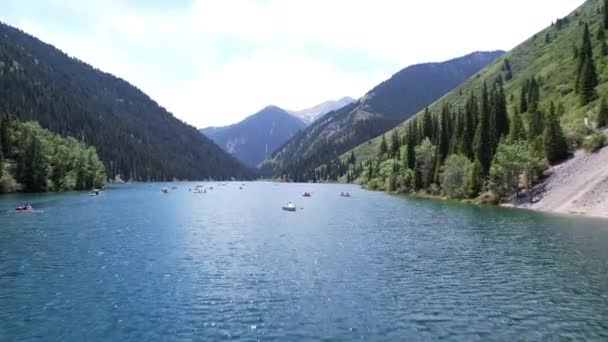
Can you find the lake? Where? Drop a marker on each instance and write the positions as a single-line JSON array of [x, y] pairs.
[[135, 264]]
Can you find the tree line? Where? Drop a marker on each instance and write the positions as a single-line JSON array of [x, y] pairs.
[[33, 159], [479, 149]]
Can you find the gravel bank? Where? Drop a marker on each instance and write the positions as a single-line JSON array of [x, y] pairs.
[[577, 186]]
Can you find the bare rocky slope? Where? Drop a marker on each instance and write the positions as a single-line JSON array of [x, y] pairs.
[[577, 186]]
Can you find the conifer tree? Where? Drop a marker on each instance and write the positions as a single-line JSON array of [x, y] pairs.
[[602, 116], [444, 134], [383, 148], [395, 145], [605, 10], [523, 100], [411, 144], [586, 77], [517, 130], [601, 35], [500, 113], [482, 145], [556, 147], [469, 127], [427, 124]]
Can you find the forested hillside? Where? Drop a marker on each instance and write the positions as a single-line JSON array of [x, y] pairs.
[[381, 109], [134, 136], [497, 132], [33, 159]]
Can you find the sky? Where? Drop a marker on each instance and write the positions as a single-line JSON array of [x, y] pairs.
[[213, 63]]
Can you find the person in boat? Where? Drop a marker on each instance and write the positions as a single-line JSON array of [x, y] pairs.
[[25, 207]]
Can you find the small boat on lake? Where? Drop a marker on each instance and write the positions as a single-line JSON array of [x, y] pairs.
[[307, 194], [25, 207], [164, 190], [344, 194], [289, 207]]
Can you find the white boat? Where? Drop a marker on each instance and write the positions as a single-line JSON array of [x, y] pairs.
[[289, 207]]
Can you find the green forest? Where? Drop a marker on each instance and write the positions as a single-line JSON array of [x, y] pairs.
[[136, 138], [33, 159], [498, 132]]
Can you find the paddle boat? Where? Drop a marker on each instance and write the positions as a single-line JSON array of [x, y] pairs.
[[289, 207]]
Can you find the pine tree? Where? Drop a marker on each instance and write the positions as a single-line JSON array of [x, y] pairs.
[[427, 124], [444, 134], [411, 144], [482, 145], [604, 49], [517, 131], [605, 10], [507, 70], [602, 116], [586, 77], [500, 113], [601, 35], [556, 147], [523, 98], [383, 148], [469, 126], [395, 145]]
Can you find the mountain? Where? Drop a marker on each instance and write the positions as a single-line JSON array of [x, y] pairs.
[[253, 139], [134, 136], [547, 94], [312, 114], [381, 109]]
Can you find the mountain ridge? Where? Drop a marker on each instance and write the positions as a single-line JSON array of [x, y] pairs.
[[135, 137], [255, 137], [382, 108]]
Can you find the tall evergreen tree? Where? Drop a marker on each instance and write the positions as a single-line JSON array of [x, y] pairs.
[[427, 124], [517, 130], [605, 11], [411, 145], [602, 116], [383, 148], [556, 147], [586, 77], [482, 145], [395, 145], [500, 110]]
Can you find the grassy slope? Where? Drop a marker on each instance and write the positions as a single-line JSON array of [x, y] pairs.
[[553, 62]]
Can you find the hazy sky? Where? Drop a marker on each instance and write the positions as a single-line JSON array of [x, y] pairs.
[[215, 62]]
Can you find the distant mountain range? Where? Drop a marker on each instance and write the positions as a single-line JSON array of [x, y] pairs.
[[312, 114], [381, 109], [134, 136], [256, 137]]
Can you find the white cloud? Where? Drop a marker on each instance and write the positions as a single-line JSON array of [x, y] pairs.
[[275, 62]]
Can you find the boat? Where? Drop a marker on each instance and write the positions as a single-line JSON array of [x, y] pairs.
[[289, 207], [94, 192], [344, 194], [25, 207], [164, 190], [307, 194]]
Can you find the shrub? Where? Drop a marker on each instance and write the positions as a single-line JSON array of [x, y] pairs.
[[594, 142], [512, 161], [454, 174]]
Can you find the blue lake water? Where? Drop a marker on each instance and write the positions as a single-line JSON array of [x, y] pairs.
[[134, 264]]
